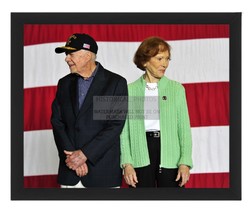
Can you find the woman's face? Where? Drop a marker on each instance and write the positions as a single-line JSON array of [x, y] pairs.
[[157, 65]]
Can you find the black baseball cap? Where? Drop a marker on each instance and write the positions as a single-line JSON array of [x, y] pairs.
[[78, 41]]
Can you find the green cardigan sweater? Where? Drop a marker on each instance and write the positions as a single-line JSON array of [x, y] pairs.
[[176, 140]]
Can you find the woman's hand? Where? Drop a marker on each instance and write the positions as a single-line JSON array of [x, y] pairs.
[[130, 175], [183, 174]]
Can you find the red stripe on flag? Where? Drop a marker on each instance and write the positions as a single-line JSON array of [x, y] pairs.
[[42, 181], [206, 180], [37, 107], [208, 105], [42, 33], [209, 180]]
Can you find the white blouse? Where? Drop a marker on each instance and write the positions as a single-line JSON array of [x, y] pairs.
[[151, 107]]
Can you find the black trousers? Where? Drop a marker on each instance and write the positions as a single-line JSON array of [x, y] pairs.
[[153, 175]]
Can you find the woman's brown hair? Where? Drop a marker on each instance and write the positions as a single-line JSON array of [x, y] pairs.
[[149, 48]]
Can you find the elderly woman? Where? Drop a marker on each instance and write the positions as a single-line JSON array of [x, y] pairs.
[[156, 148]]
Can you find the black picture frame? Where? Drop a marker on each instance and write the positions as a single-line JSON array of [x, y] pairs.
[[18, 192]]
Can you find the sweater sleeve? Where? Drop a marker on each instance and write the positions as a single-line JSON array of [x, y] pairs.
[[125, 156], [184, 130]]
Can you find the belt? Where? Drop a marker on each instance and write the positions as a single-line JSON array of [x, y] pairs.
[[155, 134]]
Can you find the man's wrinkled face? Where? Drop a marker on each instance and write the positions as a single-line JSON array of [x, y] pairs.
[[77, 60]]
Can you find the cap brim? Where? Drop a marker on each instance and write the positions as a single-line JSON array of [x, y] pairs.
[[64, 49]]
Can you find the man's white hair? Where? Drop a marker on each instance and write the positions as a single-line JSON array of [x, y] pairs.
[[93, 55]]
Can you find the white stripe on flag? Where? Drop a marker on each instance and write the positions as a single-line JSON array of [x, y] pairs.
[[40, 153], [210, 151], [200, 60]]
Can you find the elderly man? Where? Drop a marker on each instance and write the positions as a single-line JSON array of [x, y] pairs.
[[88, 145]]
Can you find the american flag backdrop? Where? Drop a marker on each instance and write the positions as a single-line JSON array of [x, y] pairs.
[[200, 61]]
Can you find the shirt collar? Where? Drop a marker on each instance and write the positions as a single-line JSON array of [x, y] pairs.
[[95, 71]]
